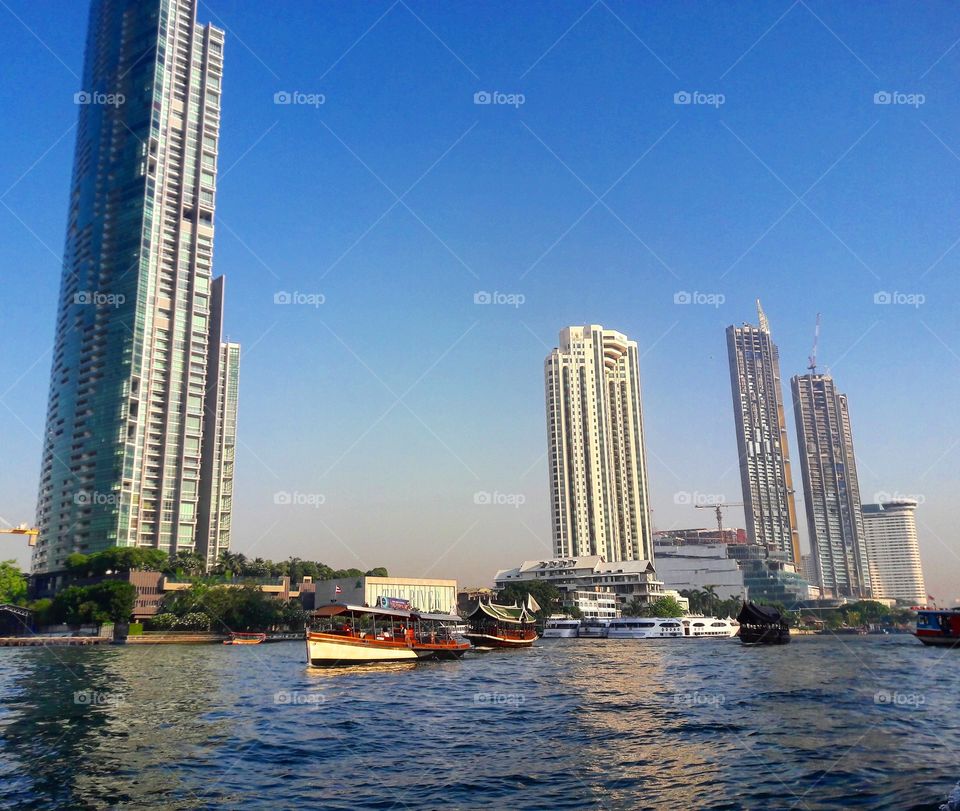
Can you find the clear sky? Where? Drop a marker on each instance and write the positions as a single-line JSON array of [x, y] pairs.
[[386, 408]]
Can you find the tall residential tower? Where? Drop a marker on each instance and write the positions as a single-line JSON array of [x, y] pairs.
[[890, 530], [598, 478], [830, 487], [138, 365], [762, 439]]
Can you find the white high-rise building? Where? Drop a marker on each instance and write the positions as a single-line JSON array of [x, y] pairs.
[[598, 479], [890, 530]]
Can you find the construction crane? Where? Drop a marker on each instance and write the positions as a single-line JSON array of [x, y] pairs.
[[812, 365], [23, 529], [718, 511]]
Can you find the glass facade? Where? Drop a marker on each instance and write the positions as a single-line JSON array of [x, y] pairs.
[[129, 384]]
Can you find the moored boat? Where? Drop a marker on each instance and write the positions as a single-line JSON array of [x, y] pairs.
[[940, 627], [345, 634], [238, 638], [561, 628], [595, 628], [762, 625], [502, 626], [644, 628], [699, 627]]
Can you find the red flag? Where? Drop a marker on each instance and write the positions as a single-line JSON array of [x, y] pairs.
[[338, 590]]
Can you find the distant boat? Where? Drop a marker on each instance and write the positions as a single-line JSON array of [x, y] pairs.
[[561, 628], [762, 625], [644, 628], [699, 627], [502, 626], [244, 639], [593, 628], [939, 627], [342, 634]]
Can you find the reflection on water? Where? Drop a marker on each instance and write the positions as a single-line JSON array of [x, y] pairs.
[[625, 724]]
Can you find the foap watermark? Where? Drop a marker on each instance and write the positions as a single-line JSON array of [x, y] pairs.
[[697, 297], [698, 699], [496, 97], [97, 298], [893, 698], [298, 698], [899, 98], [898, 297], [698, 498], [297, 297], [496, 297], [90, 498], [298, 499], [96, 97], [695, 97], [499, 699], [298, 97], [498, 499], [98, 698], [885, 497]]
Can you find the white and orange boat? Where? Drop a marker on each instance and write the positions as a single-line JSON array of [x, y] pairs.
[[238, 638], [342, 634]]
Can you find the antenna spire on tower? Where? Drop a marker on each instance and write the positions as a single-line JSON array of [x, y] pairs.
[[764, 324]]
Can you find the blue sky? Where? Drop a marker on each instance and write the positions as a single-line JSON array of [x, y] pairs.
[[596, 200]]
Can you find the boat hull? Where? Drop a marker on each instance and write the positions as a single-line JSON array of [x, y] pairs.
[[764, 636], [939, 641], [560, 633], [489, 641], [325, 650]]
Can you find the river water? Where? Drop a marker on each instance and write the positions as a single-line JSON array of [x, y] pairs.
[[863, 722]]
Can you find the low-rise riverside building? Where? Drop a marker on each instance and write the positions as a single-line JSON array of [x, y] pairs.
[[425, 594], [582, 579]]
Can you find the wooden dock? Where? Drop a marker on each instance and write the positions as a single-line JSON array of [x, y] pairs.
[[43, 641]]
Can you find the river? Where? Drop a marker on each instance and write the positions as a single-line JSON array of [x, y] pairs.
[[852, 722]]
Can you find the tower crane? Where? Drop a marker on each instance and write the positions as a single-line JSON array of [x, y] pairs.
[[812, 365], [23, 529], [718, 511]]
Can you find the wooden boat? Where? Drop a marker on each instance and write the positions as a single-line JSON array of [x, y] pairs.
[[238, 638], [502, 626], [940, 627], [762, 625], [342, 634]]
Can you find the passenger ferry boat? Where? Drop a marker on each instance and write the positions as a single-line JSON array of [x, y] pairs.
[[645, 628], [939, 627], [593, 629], [696, 626], [561, 628], [238, 638], [762, 625], [342, 634], [502, 626]]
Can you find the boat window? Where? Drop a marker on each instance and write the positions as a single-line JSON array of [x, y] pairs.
[[646, 624], [698, 625], [717, 624]]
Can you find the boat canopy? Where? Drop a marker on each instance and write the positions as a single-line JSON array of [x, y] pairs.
[[753, 614], [503, 613], [335, 609]]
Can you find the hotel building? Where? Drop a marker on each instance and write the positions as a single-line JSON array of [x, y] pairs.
[[830, 487], [890, 531], [598, 479], [142, 389], [762, 439]]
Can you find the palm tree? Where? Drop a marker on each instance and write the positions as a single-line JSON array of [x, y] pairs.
[[710, 599]]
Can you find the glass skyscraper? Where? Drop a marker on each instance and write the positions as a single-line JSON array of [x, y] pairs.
[[140, 432], [762, 439]]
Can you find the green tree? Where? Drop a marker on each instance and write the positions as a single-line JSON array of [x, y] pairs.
[[547, 595], [114, 599], [13, 583], [380, 571], [192, 564]]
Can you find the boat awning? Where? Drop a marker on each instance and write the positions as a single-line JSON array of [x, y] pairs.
[[335, 609], [441, 617]]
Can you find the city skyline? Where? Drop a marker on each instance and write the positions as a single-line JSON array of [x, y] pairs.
[[142, 410], [317, 378]]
